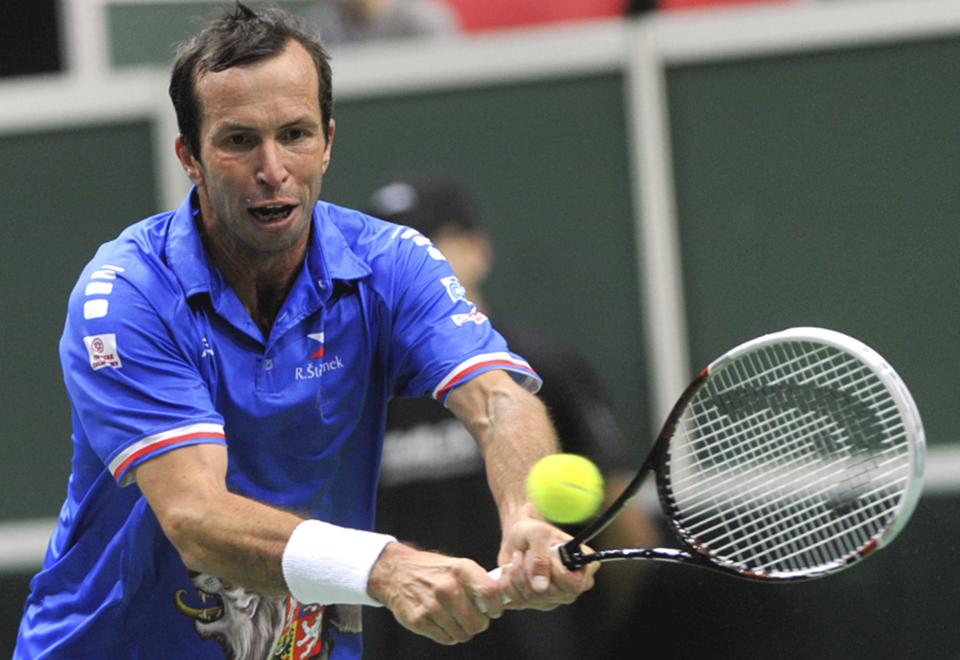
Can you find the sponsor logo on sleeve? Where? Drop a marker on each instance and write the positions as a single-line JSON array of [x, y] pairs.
[[103, 351], [455, 290], [473, 316]]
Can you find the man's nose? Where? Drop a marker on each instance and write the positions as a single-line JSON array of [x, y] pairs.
[[271, 170]]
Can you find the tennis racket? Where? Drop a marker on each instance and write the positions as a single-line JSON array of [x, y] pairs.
[[790, 457]]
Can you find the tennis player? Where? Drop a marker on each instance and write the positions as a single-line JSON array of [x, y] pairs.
[[229, 364]]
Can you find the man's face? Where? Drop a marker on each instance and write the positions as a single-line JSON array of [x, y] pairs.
[[263, 153]]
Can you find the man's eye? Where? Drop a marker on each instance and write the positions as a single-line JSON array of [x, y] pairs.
[[296, 134]]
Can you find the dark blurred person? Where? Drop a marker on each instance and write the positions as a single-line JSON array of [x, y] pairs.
[[432, 471]]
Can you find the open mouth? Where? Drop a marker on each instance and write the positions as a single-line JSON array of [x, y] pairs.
[[273, 213]]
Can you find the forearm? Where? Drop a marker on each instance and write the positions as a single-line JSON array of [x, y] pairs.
[[273, 552], [237, 539], [252, 544], [519, 435], [513, 430]]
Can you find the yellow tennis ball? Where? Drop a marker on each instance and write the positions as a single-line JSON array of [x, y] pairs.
[[565, 488]]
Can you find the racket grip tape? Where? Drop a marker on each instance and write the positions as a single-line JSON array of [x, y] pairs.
[[495, 574]]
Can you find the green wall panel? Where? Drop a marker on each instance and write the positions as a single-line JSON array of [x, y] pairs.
[[821, 189], [66, 192], [144, 33]]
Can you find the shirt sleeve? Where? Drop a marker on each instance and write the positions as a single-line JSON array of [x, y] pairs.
[[440, 339], [135, 389]]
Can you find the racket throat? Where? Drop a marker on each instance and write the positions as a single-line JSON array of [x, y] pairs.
[[675, 555], [574, 559]]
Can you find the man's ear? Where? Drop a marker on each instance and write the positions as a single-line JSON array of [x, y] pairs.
[[190, 164], [328, 151]]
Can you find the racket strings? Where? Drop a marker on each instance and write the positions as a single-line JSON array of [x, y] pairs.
[[754, 474], [809, 526], [754, 459], [804, 518], [719, 425], [774, 528], [792, 458], [750, 459], [790, 529], [759, 494]]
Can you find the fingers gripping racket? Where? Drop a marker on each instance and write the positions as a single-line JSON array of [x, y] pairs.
[[790, 457]]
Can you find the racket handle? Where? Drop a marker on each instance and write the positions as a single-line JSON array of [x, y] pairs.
[[494, 575]]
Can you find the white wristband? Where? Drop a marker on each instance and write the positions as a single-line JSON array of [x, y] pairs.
[[327, 564]]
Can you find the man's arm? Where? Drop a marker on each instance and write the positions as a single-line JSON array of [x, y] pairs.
[[244, 542], [513, 431], [215, 531]]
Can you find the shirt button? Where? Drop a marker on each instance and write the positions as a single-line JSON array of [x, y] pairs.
[[267, 364]]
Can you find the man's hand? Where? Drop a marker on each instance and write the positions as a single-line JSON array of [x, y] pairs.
[[533, 577], [447, 599], [513, 430]]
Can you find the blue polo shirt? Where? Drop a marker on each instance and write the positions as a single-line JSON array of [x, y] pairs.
[[158, 353]]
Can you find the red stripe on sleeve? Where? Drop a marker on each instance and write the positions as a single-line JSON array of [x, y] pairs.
[[466, 372], [160, 445]]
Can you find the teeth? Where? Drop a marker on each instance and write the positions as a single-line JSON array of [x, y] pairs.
[[272, 211]]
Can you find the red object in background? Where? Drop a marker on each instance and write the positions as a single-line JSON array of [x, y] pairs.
[[684, 4], [478, 15]]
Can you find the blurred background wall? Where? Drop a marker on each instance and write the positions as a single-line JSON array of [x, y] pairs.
[[660, 187]]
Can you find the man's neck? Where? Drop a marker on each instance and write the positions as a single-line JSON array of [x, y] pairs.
[[260, 281]]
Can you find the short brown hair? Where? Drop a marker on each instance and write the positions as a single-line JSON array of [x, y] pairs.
[[234, 39]]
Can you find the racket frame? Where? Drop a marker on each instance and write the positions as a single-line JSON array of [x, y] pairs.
[[573, 556]]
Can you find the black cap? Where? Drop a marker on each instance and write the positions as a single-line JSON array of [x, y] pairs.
[[428, 203]]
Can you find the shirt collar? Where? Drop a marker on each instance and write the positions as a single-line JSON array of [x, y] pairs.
[[329, 255], [185, 252]]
